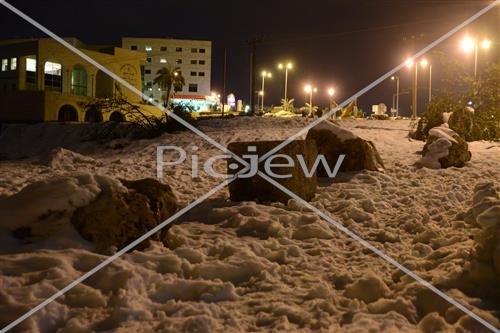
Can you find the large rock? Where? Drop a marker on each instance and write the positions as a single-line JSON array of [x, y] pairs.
[[333, 140], [444, 149], [258, 189], [116, 218]]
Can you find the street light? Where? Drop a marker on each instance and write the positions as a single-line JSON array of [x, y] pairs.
[[265, 75], [396, 78], [469, 45], [424, 63], [286, 67], [310, 90]]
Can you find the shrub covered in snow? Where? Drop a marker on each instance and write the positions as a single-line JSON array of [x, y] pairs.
[[444, 149]]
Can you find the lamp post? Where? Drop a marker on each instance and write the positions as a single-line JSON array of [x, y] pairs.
[[331, 93], [410, 64], [286, 67], [396, 78], [469, 45], [424, 63], [310, 90], [264, 76]]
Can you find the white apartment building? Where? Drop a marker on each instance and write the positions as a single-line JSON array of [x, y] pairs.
[[193, 58]]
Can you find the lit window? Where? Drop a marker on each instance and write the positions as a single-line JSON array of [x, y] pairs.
[[202, 50], [163, 61], [193, 73], [194, 50], [53, 76], [5, 64], [149, 49], [193, 87], [178, 61], [13, 64], [30, 65]]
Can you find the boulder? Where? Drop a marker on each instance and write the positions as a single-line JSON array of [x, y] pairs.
[[332, 140], [116, 218], [256, 188], [444, 149]]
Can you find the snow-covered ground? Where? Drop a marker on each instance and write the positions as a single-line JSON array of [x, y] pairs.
[[249, 267]]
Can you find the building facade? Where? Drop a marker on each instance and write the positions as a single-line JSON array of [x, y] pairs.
[[192, 58], [41, 80]]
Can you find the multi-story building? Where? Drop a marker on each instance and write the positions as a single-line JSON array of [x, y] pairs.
[[41, 80], [192, 58]]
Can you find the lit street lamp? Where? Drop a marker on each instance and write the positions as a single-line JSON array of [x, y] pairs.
[[310, 90], [262, 92], [424, 63], [396, 78], [469, 45], [286, 67]]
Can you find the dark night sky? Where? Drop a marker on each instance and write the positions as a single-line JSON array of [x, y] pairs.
[[341, 43]]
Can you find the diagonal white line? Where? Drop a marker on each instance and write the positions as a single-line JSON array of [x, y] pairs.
[[118, 254], [381, 79], [379, 253], [118, 78]]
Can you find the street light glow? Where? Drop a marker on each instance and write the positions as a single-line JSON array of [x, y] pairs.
[[409, 63], [424, 63], [308, 88], [331, 92], [486, 44], [468, 44]]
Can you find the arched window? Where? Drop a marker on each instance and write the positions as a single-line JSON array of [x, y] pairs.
[[67, 113], [117, 117], [79, 81], [53, 76]]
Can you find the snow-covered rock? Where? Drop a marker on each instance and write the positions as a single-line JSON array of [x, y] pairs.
[[116, 218], [60, 158], [444, 149], [334, 140], [256, 188]]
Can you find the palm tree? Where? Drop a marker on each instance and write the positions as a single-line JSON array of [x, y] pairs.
[[168, 78]]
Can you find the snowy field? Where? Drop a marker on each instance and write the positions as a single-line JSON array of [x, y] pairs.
[[246, 267]]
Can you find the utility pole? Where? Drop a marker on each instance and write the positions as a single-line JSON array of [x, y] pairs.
[[415, 92], [253, 74], [224, 84]]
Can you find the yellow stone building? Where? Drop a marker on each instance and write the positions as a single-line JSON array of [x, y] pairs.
[[41, 80]]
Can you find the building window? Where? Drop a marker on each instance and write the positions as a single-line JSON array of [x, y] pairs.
[[163, 48], [194, 62], [201, 74], [79, 81], [30, 71], [202, 50], [202, 62], [194, 50], [53, 76], [178, 49], [5, 64], [13, 64], [163, 61], [133, 47], [193, 73], [193, 87], [147, 71], [178, 61], [177, 89], [148, 48], [148, 59]]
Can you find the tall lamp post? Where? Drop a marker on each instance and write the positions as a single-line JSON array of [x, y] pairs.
[[310, 90], [469, 45], [265, 75], [396, 78], [424, 63], [413, 66], [286, 67], [331, 93]]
